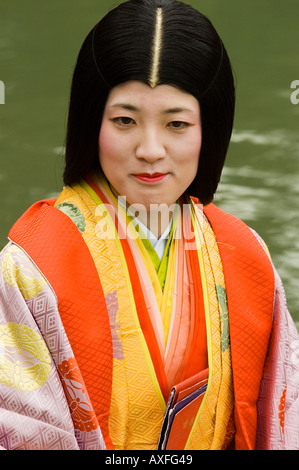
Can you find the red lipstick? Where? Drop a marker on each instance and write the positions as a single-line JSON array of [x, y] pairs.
[[150, 178]]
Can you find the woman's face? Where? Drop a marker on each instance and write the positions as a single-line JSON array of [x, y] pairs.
[[149, 142]]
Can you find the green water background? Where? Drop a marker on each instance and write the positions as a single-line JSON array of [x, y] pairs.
[[39, 43]]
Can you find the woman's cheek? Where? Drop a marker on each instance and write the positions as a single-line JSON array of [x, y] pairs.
[[107, 143]]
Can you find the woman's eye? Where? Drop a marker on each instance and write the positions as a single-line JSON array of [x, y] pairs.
[[178, 124], [123, 121]]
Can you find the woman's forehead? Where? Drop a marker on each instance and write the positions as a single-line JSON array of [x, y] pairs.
[[136, 94]]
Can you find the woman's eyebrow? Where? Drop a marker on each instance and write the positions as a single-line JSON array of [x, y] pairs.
[[129, 107], [177, 110]]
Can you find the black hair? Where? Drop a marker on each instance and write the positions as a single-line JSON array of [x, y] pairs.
[[190, 56]]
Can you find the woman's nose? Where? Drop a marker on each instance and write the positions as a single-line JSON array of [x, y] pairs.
[[150, 146]]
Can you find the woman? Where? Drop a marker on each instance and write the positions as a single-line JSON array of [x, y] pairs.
[[132, 283]]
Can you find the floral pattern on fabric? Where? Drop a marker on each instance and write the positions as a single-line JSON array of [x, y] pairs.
[[25, 363], [21, 274], [281, 408], [81, 409], [221, 296], [112, 307], [74, 213]]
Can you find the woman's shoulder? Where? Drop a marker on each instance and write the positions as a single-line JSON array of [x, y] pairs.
[[235, 232], [17, 270]]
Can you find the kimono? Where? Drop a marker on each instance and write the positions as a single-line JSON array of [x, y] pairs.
[[94, 336]]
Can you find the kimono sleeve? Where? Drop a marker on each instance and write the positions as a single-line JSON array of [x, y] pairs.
[[34, 412], [278, 404]]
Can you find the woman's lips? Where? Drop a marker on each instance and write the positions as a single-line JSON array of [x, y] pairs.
[[150, 178]]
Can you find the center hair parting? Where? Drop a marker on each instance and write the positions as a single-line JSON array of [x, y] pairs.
[[156, 51]]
